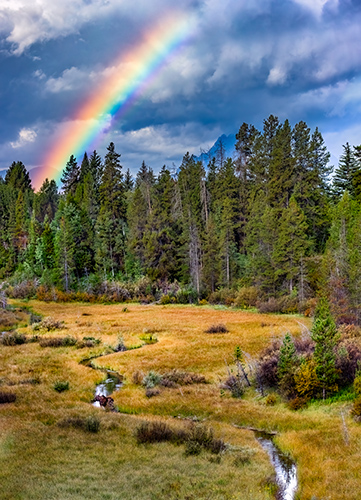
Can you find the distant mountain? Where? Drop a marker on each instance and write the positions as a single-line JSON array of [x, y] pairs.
[[225, 141], [3, 173]]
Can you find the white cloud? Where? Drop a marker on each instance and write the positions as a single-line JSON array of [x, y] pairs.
[[26, 135], [316, 6], [277, 76], [25, 22]]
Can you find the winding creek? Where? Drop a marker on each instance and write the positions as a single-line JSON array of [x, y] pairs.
[[285, 468]]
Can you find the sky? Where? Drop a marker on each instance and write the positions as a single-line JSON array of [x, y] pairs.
[[231, 61]]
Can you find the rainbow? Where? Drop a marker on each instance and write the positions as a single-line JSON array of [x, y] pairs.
[[126, 81]]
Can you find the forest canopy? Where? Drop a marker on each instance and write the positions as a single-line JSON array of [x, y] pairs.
[[265, 227]]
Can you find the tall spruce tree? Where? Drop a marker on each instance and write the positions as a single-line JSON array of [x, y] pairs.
[[347, 167], [324, 334], [111, 221], [70, 176]]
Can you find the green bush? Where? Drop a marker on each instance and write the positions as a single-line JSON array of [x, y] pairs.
[[271, 399], [356, 409], [60, 386], [151, 379], [192, 448], [246, 297], [92, 424]]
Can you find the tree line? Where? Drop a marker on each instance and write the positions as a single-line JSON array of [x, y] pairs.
[[269, 219]]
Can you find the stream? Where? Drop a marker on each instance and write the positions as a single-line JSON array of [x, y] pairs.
[[285, 468], [108, 386]]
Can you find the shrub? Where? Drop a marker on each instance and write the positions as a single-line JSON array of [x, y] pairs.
[[192, 448], [247, 297], [220, 328], [348, 358], [92, 424], [77, 422], [243, 457], [150, 393], [137, 377], [357, 382], [60, 386], [307, 383], [149, 338], [271, 399], [181, 378], [7, 318], [151, 379], [11, 339], [267, 366], [23, 290], [166, 299], [49, 324], [120, 347], [204, 438], [234, 385], [297, 403], [203, 302], [7, 397], [153, 432], [67, 341], [286, 305], [187, 296], [356, 409], [88, 342], [224, 296]]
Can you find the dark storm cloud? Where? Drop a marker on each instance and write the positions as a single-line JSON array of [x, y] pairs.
[[298, 59]]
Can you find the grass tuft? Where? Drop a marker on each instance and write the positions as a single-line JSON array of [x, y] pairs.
[[220, 328]]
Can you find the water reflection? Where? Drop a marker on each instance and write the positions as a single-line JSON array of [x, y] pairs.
[[285, 468], [107, 387]]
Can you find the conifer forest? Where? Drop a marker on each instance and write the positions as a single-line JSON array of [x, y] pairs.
[[274, 227]]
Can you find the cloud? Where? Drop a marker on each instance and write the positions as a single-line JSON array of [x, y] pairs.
[[316, 6], [26, 135], [25, 22]]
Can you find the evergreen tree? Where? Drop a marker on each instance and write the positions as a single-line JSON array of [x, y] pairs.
[[161, 231], [286, 366], [291, 245], [46, 201], [324, 334], [191, 174], [128, 181], [111, 221], [347, 167], [17, 177], [70, 176]]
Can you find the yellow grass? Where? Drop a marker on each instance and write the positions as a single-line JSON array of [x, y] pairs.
[[38, 459]]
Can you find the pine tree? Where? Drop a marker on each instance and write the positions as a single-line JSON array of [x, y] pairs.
[[111, 221], [191, 174], [70, 176], [286, 366], [291, 245], [347, 167], [161, 240], [324, 334], [17, 177]]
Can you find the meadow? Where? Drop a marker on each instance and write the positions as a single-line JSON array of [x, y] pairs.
[[44, 456]]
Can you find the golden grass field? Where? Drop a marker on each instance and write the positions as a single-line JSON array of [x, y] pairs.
[[40, 460]]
